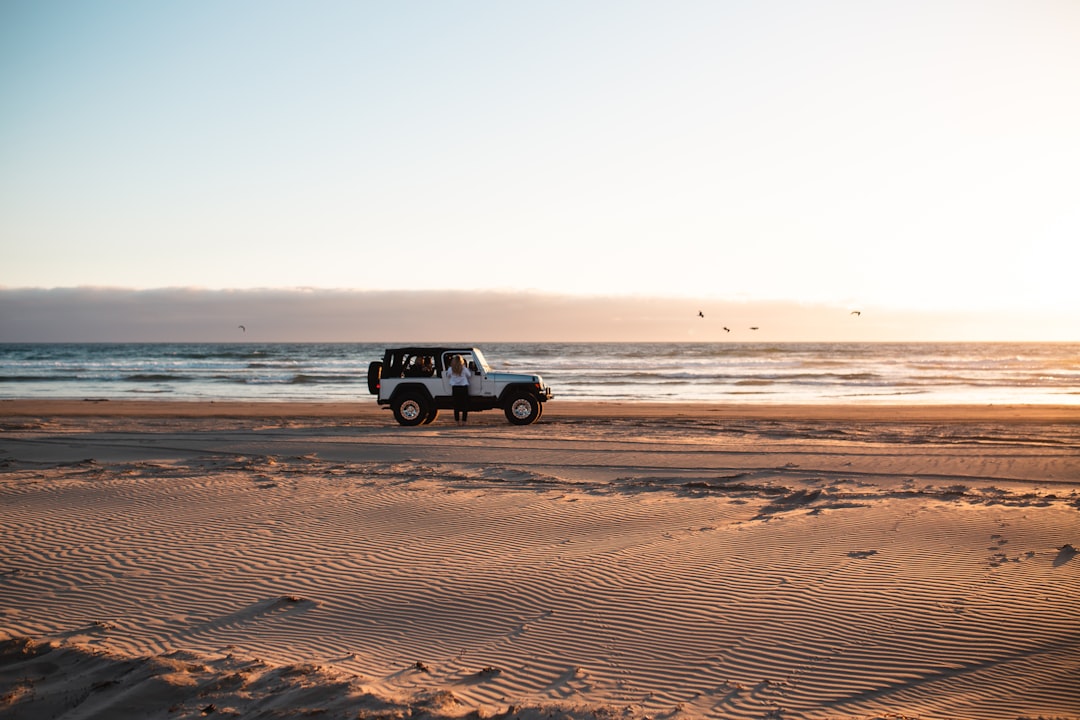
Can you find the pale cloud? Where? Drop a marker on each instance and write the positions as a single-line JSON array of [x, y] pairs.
[[85, 314]]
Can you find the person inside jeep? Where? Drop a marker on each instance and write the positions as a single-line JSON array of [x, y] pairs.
[[420, 367]]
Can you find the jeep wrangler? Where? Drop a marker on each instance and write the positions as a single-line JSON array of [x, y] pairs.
[[411, 381]]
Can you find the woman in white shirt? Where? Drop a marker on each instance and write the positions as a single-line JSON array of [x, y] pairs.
[[458, 374]]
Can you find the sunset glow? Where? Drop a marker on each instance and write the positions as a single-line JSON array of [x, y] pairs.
[[908, 157]]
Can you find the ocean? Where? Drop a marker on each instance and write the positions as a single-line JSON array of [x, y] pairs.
[[801, 373]]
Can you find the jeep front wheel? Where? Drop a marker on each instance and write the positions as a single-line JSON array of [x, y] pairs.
[[523, 410], [411, 409]]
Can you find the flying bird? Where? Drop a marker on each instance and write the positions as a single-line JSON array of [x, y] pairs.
[[242, 328], [727, 329], [754, 328], [856, 312], [700, 314]]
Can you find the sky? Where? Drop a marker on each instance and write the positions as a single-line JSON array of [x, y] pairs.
[[915, 161]]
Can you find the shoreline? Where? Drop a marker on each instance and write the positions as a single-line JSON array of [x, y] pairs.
[[103, 407]]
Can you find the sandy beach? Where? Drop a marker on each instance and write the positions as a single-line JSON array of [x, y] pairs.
[[287, 560]]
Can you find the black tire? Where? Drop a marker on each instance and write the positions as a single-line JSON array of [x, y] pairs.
[[523, 409], [411, 408], [374, 377]]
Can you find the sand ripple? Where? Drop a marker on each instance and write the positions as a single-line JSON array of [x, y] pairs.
[[753, 592]]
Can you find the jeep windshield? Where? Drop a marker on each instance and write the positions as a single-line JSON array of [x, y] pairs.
[[481, 362]]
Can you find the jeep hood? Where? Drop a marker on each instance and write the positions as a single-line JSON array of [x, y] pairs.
[[504, 377]]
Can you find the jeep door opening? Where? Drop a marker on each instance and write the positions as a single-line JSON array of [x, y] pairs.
[[411, 382]]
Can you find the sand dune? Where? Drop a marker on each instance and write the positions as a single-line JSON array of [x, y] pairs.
[[696, 562]]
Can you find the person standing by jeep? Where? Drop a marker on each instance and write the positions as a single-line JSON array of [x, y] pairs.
[[458, 375]]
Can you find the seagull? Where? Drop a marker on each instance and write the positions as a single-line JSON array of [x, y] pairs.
[[727, 329], [754, 328], [700, 314], [856, 312], [242, 328]]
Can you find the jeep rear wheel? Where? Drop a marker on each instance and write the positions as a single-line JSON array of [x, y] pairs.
[[523, 409], [411, 408]]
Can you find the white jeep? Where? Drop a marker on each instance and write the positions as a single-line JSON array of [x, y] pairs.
[[411, 381]]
